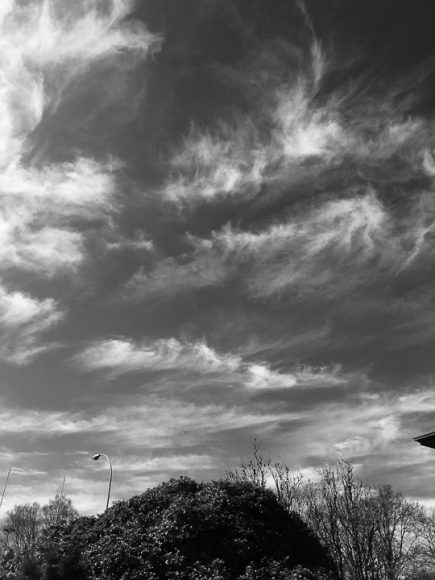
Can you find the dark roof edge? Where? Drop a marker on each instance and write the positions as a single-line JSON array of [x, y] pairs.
[[425, 436]]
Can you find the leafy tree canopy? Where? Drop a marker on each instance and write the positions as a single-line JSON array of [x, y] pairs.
[[185, 529]]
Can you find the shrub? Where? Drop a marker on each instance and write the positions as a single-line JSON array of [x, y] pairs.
[[187, 530]]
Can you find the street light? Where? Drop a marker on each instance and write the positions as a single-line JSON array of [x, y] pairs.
[[96, 457], [6, 484]]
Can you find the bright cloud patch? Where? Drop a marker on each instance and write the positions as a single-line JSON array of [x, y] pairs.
[[122, 356], [44, 45], [118, 357], [231, 162], [40, 207], [23, 320]]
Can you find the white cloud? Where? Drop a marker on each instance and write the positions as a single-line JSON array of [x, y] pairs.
[[367, 426], [361, 426], [47, 424], [236, 159], [302, 131], [193, 360], [17, 309], [120, 356], [295, 135], [23, 322], [43, 46], [48, 210], [306, 251], [164, 422], [341, 244], [83, 32], [314, 250], [202, 269], [229, 162], [39, 209], [137, 243]]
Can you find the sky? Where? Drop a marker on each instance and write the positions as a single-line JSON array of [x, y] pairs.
[[217, 225]]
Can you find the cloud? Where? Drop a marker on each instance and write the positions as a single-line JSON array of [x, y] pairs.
[[235, 158], [295, 131], [229, 162], [362, 425], [47, 44], [160, 421], [41, 209], [120, 356], [47, 424], [313, 251], [51, 208], [197, 363], [23, 322], [17, 309], [193, 436], [305, 252]]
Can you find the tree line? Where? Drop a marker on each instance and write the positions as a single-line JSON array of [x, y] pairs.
[[371, 532], [260, 522]]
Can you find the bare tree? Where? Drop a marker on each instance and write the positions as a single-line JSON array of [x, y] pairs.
[[399, 532], [59, 509], [24, 523], [372, 533], [23, 528], [265, 472], [426, 546]]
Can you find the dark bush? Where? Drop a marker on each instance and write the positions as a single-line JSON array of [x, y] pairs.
[[184, 529]]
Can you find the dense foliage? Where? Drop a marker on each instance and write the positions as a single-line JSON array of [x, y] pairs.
[[188, 530]]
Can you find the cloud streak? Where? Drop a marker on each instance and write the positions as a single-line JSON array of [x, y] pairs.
[[23, 320], [197, 363], [304, 253]]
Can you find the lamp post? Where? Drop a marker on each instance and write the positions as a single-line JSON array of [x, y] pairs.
[[96, 457], [6, 484]]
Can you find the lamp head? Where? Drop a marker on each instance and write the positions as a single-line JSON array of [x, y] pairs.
[[96, 456]]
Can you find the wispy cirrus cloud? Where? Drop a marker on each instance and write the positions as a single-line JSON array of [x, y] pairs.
[[228, 162], [361, 424], [120, 356], [47, 424], [298, 131], [197, 359], [42, 208], [236, 157], [51, 206], [358, 234], [45, 46], [293, 254], [23, 321]]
